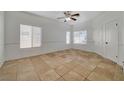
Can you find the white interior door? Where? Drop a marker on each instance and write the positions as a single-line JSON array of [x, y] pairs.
[[111, 40]]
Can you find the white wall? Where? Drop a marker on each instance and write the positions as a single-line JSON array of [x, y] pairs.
[[1, 37], [53, 34], [121, 42], [99, 36], [96, 36]]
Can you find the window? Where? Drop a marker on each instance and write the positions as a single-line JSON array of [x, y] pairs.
[[30, 36], [36, 37], [80, 37], [25, 36], [68, 37]]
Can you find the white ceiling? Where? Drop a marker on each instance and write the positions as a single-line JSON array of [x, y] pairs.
[[84, 15]]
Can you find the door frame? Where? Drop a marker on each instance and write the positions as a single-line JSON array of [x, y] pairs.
[[113, 20]]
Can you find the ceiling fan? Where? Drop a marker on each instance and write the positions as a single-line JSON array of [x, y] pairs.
[[69, 16]]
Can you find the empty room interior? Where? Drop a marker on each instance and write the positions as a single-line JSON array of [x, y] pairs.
[[61, 45]]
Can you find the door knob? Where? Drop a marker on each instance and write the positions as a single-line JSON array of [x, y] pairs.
[[106, 42]]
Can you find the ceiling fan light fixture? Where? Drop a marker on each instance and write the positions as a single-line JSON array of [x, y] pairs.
[[68, 19]]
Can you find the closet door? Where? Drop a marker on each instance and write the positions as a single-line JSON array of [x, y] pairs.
[[111, 40]]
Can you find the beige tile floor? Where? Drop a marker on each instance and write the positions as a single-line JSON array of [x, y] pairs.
[[66, 65]]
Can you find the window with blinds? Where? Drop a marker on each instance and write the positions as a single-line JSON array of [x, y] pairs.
[[68, 34], [30, 36], [80, 37]]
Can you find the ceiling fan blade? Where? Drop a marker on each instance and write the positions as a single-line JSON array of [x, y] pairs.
[[74, 19], [75, 14], [60, 17]]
